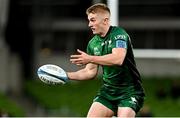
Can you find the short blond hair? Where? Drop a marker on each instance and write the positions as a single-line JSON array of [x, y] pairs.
[[99, 7]]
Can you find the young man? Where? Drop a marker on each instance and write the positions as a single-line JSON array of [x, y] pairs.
[[121, 93]]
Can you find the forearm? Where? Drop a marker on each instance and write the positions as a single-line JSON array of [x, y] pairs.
[[115, 58], [109, 60], [79, 75], [89, 72]]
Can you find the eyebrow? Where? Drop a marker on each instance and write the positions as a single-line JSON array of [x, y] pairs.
[[91, 18]]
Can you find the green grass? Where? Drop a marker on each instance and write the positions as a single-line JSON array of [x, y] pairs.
[[78, 96], [165, 106], [9, 107]]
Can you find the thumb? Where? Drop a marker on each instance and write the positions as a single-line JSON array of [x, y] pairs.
[[78, 50]]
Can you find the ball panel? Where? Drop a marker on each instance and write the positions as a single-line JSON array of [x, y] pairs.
[[50, 80], [52, 74]]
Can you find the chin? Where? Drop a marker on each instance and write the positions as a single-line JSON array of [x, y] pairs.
[[95, 32]]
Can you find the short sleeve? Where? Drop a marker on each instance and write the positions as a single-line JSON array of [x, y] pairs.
[[121, 41]]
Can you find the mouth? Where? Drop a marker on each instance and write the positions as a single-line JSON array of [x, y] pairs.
[[93, 29]]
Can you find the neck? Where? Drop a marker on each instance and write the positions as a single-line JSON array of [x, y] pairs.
[[106, 29]]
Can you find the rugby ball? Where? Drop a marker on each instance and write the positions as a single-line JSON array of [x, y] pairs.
[[52, 74]]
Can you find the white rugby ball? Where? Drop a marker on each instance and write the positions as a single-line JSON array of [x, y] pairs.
[[52, 74]]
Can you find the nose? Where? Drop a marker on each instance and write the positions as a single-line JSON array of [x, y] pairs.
[[89, 24]]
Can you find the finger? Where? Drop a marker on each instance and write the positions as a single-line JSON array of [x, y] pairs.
[[77, 59], [75, 56], [79, 64], [75, 62]]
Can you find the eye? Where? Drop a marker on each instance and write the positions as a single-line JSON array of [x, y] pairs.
[[92, 20]]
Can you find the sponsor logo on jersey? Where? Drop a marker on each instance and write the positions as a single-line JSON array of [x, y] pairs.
[[120, 36], [107, 42]]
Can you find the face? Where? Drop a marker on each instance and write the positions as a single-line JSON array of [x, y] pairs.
[[96, 23]]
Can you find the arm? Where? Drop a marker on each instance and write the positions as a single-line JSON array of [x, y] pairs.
[[115, 58], [89, 72]]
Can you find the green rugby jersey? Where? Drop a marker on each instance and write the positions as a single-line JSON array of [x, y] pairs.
[[124, 75]]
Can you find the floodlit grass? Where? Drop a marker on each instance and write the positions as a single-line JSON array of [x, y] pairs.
[[9, 107], [78, 96], [166, 105]]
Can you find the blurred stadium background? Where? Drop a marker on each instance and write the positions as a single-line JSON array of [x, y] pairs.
[[37, 32]]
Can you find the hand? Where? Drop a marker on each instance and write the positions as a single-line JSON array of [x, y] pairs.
[[80, 59]]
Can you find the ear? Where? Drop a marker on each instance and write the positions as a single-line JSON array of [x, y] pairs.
[[106, 20]]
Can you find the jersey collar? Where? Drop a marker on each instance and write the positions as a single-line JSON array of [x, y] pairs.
[[104, 38]]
